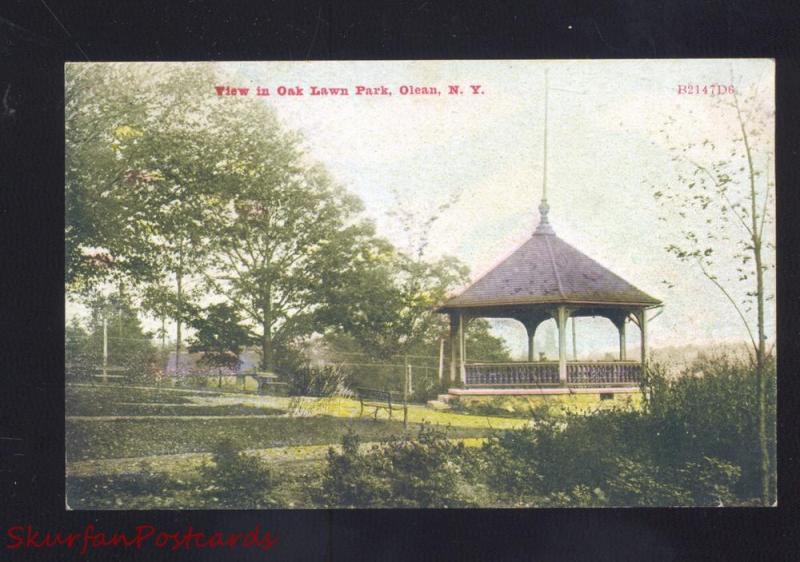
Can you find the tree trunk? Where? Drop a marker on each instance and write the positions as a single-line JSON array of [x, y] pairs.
[[761, 382], [761, 377], [266, 349], [267, 356]]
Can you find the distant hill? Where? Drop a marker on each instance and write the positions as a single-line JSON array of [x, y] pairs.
[[676, 358]]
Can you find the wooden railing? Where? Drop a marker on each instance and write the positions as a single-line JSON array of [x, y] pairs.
[[511, 374], [545, 373], [603, 372]]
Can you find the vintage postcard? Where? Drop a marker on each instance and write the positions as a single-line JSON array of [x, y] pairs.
[[432, 284]]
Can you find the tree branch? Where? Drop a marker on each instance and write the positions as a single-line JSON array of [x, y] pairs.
[[716, 282], [722, 192]]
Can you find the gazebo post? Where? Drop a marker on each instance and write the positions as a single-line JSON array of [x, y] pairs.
[[622, 338], [561, 318], [462, 348], [453, 346], [530, 329], [643, 326]]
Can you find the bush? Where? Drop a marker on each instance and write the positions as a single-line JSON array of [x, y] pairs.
[[236, 479], [402, 472], [324, 381], [711, 411], [695, 443]]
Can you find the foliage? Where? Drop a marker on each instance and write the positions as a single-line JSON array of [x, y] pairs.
[[137, 164], [285, 229], [388, 307], [322, 381], [482, 344], [711, 411], [680, 450], [401, 472], [220, 336], [237, 479]]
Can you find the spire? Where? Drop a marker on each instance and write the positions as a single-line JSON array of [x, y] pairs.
[[544, 225]]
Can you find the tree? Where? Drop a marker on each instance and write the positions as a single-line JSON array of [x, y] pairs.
[[727, 181], [220, 337], [388, 308], [142, 166], [282, 231], [105, 232], [482, 344]]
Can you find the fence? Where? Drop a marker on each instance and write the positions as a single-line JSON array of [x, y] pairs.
[[422, 372]]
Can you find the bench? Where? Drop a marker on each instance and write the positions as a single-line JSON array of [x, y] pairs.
[[379, 399]]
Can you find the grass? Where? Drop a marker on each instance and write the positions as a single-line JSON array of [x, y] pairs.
[[141, 437], [141, 463]]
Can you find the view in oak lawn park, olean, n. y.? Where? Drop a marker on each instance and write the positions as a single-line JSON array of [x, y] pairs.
[[415, 284]]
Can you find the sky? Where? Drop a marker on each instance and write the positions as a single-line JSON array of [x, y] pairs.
[[604, 148]]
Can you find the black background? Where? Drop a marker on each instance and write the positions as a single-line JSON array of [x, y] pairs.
[[36, 38]]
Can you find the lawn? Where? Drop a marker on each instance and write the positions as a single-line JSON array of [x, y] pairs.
[[119, 455], [142, 437]]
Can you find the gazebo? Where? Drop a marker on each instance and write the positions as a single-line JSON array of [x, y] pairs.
[[547, 278]]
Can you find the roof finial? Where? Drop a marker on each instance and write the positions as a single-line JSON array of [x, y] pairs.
[[544, 225]]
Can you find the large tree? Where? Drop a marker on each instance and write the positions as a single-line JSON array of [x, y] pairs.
[[141, 170], [282, 230], [388, 307], [106, 235], [725, 181]]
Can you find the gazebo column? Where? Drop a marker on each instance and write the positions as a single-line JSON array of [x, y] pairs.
[[462, 348], [531, 351], [643, 326], [454, 343], [561, 319], [530, 329], [621, 325]]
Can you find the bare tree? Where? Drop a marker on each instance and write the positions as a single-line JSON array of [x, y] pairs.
[[722, 200]]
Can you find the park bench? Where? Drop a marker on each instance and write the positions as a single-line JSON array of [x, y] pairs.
[[378, 399]]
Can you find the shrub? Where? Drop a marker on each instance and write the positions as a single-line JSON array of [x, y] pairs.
[[711, 411], [401, 472], [694, 443], [237, 479], [558, 454], [312, 381]]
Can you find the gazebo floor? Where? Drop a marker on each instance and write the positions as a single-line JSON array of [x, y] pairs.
[[540, 391]]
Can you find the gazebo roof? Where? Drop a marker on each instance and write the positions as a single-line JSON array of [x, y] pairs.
[[547, 270]]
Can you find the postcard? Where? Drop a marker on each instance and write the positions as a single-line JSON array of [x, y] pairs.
[[405, 284]]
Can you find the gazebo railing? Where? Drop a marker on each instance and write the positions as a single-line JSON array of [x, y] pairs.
[[603, 372], [545, 373], [511, 374]]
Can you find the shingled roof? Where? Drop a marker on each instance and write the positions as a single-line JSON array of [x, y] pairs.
[[545, 269]]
